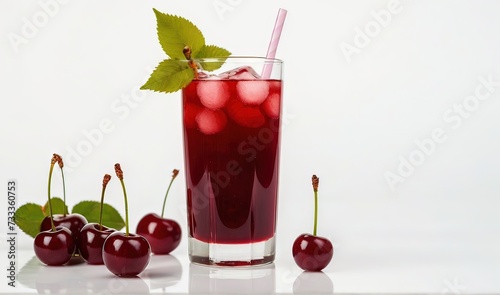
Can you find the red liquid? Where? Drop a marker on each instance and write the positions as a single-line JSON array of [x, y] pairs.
[[232, 174]]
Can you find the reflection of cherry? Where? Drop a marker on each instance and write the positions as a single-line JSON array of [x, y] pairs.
[[311, 252], [164, 235], [313, 283], [125, 254], [56, 245], [74, 222]]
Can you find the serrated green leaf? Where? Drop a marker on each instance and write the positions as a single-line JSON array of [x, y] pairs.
[[212, 51], [174, 33], [91, 209], [28, 218], [57, 206], [170, 76]]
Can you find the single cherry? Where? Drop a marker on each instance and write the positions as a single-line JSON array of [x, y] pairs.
[[74, 222], [311, 252], [56, 245], [125, 254], [93, 235], [164, 235]]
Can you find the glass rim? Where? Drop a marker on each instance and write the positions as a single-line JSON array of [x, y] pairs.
[[242, 59]]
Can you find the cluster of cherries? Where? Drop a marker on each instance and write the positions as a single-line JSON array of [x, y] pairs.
[[127, 254], [124, 254]]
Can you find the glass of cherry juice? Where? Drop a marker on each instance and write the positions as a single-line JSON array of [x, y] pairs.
[[231, 124]]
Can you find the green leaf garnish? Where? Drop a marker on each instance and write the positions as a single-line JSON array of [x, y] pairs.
[[170, 76], [175, 34], [28, 218], [110, 216], [212, 51]]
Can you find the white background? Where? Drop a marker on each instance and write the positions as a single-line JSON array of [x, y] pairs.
[[351, 118]]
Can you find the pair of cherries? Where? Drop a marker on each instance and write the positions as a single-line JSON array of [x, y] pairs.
[[124, 254], [57, 241], [127, 254]]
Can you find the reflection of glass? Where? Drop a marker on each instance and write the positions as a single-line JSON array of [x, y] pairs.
[[313, 283], [215, 280], [163, 271], [231, 147]]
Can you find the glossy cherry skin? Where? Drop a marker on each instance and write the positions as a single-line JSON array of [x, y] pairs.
[[54, 247], [164, 235], [312, 253], [91, 240], [74, 222], [126, 256]]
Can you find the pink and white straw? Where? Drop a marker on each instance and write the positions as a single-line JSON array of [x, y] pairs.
[[273, 44]]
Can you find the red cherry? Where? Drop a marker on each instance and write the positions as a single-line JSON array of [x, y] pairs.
[[73, 222], [91, 240], [92, 236], [164, 235], [312, 253], [126, 256], [54, 247]]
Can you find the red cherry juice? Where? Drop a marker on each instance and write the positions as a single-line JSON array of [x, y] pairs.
[[231, 153]]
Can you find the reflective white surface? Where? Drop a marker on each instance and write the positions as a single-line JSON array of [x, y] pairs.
[[400, 268], [165, 274]]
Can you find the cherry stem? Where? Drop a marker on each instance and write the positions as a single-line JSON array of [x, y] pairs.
[[64, 192], [61, 165], [174, 175], [105, 182], [119, 174], [315, 183], [52, 163]]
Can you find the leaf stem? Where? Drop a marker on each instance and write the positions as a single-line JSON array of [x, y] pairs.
[[105, 182], [119, 174], [174, 175]]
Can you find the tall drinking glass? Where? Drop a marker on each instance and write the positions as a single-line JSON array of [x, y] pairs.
[[231, 148]]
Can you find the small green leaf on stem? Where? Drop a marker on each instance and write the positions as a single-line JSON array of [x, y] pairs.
[[170, 76], [175, 33], [212, 51]]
